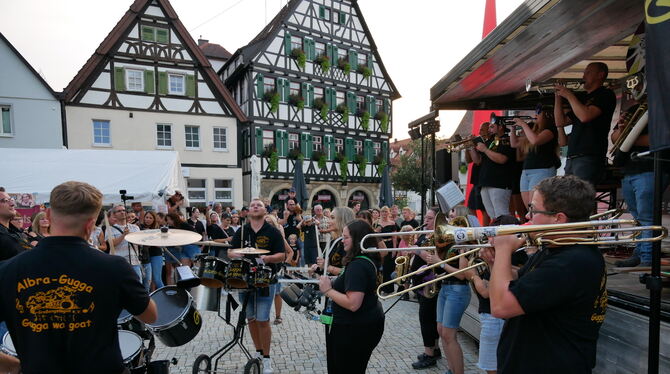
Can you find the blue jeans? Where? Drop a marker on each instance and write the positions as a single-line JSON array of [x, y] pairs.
[[638, 192], [488, 341], [258, 307], [451, 304], [138, 271], [157, 270], [531, 177], [146, 281]]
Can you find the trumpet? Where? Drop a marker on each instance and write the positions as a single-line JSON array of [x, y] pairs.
[[460, 144], [506, 120], [548, 87]]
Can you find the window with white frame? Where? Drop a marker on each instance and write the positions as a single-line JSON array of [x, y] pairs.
[[358, 146], [362, 59], [293, 141], [196, 189], [176, 84], [340, 97], [192, 134], [223, 190], [134, 80], [101, 135], [220, 138], [379, 103], [269, 84], [268, 139], [318, 93], [317, 143], [360, 103], [319, 49], [342, 54], [339, 145], [164, 135], [294, 89], [6, 129], [377, 148], [296, 42]]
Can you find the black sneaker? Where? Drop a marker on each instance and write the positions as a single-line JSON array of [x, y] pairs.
[[436, 354], [425, 362], [628, 263]]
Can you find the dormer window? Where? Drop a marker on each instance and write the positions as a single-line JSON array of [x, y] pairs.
[[155, 34]]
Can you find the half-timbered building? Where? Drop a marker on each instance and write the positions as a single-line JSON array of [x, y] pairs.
[[149, 87], [314, 87]]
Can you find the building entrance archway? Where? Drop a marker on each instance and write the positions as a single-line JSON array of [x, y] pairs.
[[359, 197], [326, 198]]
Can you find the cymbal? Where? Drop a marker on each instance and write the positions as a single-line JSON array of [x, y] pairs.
[[250, 251], [156, 238], [213, 243]]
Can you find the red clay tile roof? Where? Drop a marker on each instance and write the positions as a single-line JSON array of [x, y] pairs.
[[213, 50]]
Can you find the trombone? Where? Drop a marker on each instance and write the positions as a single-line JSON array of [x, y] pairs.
[[445, 234]]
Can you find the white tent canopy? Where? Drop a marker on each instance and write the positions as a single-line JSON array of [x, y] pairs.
[[148, 176]]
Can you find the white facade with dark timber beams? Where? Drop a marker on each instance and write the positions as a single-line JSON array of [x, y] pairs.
[[312, 83], [149, 87]]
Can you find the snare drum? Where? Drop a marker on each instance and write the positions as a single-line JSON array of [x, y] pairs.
[[178, 320], [212, 272], [239, 273], [8, 346], [132, 351], [262, 276], [128, 323]]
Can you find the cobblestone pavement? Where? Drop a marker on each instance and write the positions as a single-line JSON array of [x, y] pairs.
[[298, 345]]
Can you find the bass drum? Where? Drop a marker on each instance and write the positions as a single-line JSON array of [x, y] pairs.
[[178, 319], [132, 351]]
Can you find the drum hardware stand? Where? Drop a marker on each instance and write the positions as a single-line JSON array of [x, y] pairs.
[[237, 339]]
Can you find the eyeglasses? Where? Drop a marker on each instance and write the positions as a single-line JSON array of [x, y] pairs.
[[532, 211], [10, 200]]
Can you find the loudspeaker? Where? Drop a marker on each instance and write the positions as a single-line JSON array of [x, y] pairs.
[[442, 166]]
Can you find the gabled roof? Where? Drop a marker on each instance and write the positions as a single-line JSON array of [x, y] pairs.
[[30, 67], [213, 50], [261, 41], [122, 28]]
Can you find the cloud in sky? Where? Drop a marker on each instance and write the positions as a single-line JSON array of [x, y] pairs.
[[419, 41]]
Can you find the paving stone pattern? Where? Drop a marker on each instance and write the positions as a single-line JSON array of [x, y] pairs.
[[298, 345]]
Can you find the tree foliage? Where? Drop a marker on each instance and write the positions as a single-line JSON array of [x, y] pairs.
[[407, 175]]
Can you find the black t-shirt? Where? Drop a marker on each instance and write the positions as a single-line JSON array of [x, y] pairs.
[[197, 226], [296, 251], [590, 138], [336, 256], [388, 240], [310, 235], [267, 237], [359, 275], [492, 174], [61, 301], [545, 155], [563, 294], [412, 222], [484, 302], [9, 243], [291, 226]]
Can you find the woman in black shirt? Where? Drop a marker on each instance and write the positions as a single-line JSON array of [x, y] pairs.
[[538, 147], [358, 318], [151, 222]]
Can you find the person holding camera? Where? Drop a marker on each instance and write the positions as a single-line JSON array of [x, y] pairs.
[[308, 226], [117, 232], [358, 318]]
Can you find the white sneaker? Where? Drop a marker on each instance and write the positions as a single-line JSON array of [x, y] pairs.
[[267, 366], [257, 355]]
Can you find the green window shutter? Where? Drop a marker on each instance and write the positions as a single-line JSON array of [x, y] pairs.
[[310, 95], [303, 143], [308, 147], [260, 87], [367, 150], [279, 86], [343, 18], [162, 35], [287, 43], [328, 97], [304, 92], [353, 59], [284, 143], [385, 150], [149, 85], [119, 79], [333, 55], [162, 83], [286, 89], [370, 65], [327, 146], [259, 140], [333, 99], [370, 101], [190, 85], [148, 34], [278, 142], [312, 49], [349, 148], [307, 46], [351, 101], [322, 11], [387, 107]]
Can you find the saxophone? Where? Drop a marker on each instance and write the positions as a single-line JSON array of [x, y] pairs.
[[401, 266]]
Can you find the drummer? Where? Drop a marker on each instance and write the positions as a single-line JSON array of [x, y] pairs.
[[260, 235], [61, 299]]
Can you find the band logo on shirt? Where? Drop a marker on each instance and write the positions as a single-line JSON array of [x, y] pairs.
[[600, 303], [45, 303], [262, 242]]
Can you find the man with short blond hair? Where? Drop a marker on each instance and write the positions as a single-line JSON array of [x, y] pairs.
[[61, 299]]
